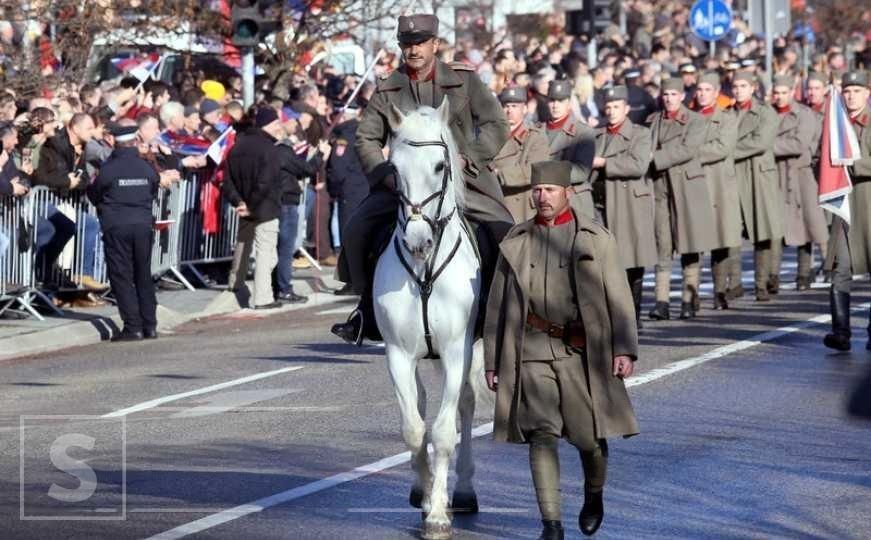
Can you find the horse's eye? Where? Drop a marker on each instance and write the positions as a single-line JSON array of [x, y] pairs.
[[440, 166]]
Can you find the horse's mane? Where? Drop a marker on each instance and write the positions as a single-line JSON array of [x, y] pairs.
[[424, 124]]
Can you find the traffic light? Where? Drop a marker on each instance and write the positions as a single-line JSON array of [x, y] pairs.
[[593, 18], [253, 20]]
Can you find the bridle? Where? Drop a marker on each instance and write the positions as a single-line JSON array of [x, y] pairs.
[[438, 225]]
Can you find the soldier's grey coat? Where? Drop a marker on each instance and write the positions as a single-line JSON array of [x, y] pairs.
[[574, 142], [715, 156], [798, 137], [676, 146], [513, 168], [761, 201], [607, 310], [628, 192]]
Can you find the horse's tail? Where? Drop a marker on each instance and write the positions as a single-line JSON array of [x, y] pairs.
[[485, 399]]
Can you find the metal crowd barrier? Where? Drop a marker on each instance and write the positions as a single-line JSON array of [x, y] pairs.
[[18, 291], [169, 211], [196, 244]]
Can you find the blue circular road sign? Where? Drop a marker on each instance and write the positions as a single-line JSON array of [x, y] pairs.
[[710, 20]]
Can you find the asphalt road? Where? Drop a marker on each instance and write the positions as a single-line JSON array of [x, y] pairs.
[[744, 435]]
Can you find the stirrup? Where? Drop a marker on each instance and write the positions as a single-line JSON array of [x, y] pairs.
[[358, 339]]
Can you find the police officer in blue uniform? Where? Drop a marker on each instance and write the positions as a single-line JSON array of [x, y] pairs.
[[123, 193]]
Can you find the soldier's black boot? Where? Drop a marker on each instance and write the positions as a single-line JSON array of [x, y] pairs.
[[839, 339], [659, 312], [720, 301], [773, 285], [687, 311], [360, 324], [636, 284], [802, 283], [592, 513], [552, 530], [735, 292]]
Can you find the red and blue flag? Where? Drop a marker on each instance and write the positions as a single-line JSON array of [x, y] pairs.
[[839, 148]]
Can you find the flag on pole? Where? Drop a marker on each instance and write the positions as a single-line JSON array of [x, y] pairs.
[[138, 66], [839, 148], [218, 150]]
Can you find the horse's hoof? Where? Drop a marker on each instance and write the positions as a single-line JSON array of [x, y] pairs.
[[415, 498], [436, 531], [465, 503]]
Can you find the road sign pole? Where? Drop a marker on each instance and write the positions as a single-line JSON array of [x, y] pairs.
[[248, 77], [768, 7]]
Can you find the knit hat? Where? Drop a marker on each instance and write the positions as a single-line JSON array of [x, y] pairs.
[[213, 90], [265, 116], [208, 105]]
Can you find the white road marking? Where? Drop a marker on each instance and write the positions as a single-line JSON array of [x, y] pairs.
[[337, 311], [175, 397], [259, 505]]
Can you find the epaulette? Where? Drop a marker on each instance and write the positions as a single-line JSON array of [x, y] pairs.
[[461, 66]]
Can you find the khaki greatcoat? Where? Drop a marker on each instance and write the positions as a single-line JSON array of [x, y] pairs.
[[628, 192], [798, 137], [574, 142], [513, 168], [715, 156], [761, 201], [676, 146], [606, 307], [859, 235]]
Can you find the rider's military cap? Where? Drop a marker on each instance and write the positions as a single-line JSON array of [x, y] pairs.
[[616, 93], [559, 90], [854, 78], [514, 94], [417, 28], [557, 173]]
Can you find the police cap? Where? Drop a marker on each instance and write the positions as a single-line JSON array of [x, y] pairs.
[[417, 28], [123, 133]]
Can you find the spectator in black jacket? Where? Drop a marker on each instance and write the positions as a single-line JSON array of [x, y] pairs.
[[294, 170], [346, 181], [253, 186], [12, 182], [63, 168]]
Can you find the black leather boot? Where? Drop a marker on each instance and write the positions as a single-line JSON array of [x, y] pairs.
[[802, 283], [839, 339], [352, 329], [735, 292], [773, 285], [720, 301], [687, 311], [637, 287], [592, 513], [552, 530], [659, 312]]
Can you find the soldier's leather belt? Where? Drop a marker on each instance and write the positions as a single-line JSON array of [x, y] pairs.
[[572, 333]]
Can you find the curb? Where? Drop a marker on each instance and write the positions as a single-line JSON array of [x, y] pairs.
[[97, 328]]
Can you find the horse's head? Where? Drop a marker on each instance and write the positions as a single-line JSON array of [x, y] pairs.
[[425, 159]]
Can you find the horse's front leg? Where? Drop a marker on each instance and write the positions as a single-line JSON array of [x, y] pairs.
[[403, 369], [464, 498], [444, 439]]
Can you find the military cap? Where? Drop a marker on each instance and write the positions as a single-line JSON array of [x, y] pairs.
[[514, 94], [854, 78], [559, 90], [557, 173], [784, 80], [672, 83], [417, 28], [687, 67], [123, 133], [818, 76], [744, 76], [617, 93], [710, 77]]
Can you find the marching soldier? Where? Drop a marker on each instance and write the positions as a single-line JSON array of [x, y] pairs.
[[622, 194], [559, 339], [798, 138], [715, 156], [571, 140], [526, 145], [850, 246], [684, 223], [479, 128], [761, 201]]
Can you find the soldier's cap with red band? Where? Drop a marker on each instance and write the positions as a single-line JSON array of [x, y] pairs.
[[417, 28]]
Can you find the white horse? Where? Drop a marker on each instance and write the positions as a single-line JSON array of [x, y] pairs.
[[426, 298]]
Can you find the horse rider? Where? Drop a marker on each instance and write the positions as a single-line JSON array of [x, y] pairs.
[[526, 145], [850, 245], [479, 129], [559, 339]]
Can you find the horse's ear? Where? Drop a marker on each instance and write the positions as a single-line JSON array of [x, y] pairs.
[[394, 117], [444, 111]]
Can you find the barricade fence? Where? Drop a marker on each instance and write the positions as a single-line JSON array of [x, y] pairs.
[[52, 241]]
